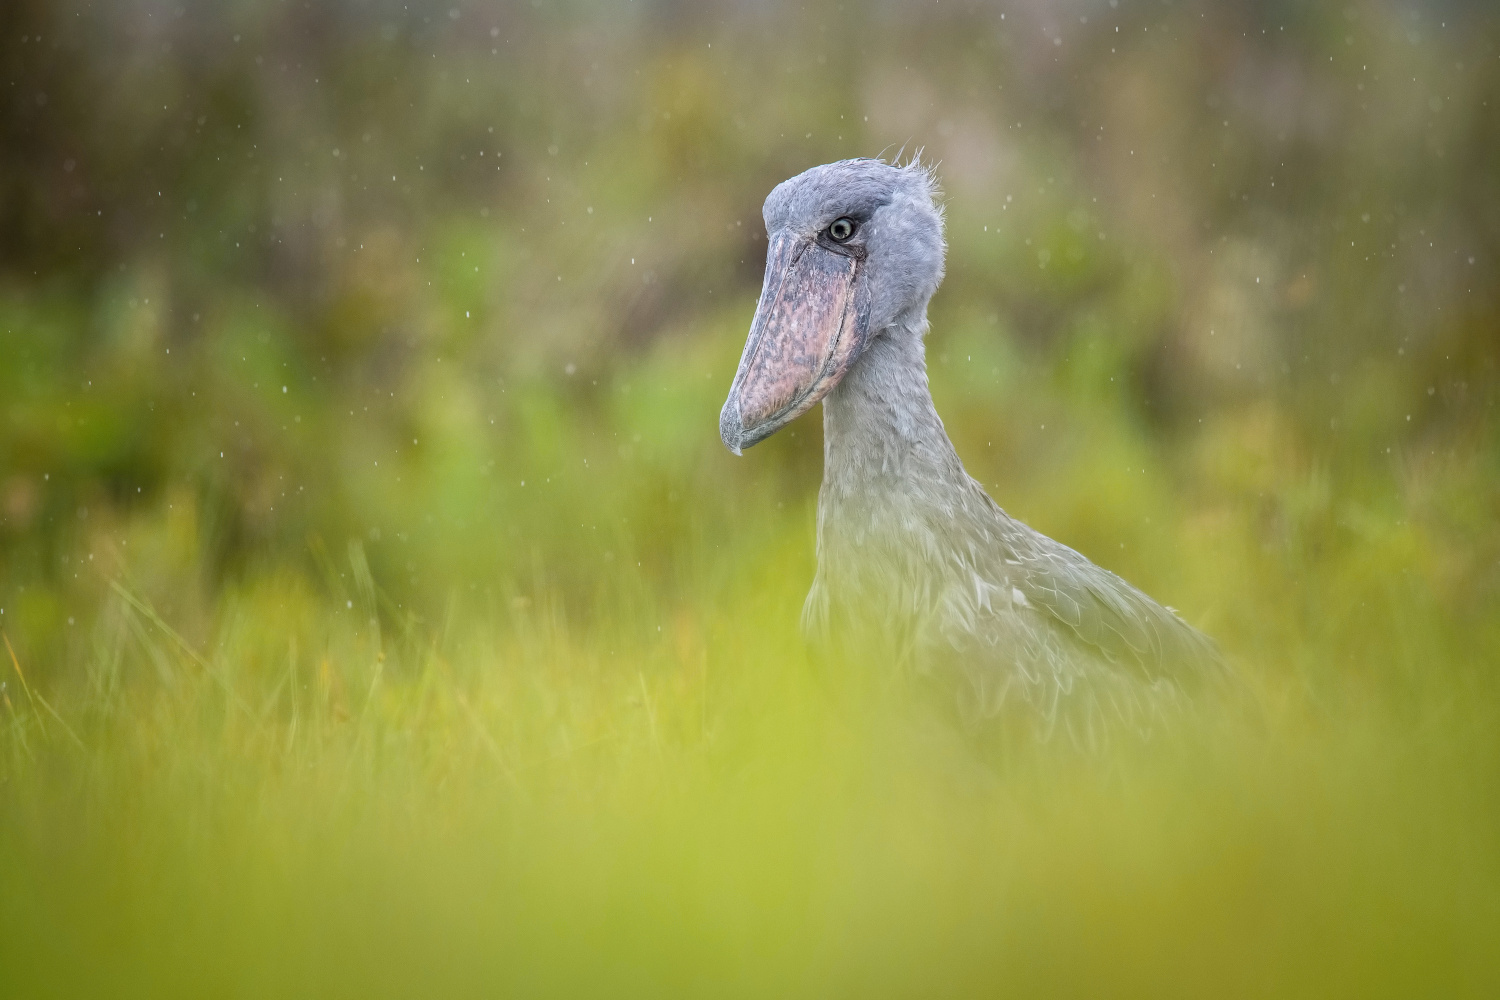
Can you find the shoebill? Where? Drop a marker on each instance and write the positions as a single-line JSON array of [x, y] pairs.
[[911, 550]]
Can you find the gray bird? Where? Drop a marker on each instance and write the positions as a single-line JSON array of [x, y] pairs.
[[910, 548]]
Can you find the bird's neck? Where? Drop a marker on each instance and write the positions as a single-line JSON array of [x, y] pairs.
[[892, 484], [882, 437]]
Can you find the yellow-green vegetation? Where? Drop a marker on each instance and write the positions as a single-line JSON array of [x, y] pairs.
[[382, 616]]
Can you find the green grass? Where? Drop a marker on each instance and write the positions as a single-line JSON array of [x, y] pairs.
[[578, 775]]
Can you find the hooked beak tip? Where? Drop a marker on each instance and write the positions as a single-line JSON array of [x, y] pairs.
[[731, 432]]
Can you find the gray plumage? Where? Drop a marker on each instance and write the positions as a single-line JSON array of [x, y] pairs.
[[909, 545]]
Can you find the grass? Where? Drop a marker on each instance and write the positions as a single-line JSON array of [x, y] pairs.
[[578, 776]]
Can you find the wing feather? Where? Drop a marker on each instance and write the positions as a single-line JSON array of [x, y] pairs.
[[1119, 622]]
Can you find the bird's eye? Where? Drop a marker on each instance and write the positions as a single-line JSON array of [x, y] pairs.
[[841, 230]]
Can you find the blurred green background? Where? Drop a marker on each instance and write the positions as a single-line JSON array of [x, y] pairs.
[[383, 615]]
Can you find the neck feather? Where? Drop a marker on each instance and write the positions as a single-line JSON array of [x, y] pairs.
[[891, 485], [882, 436]]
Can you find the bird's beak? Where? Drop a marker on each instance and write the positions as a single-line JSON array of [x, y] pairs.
[[810, 325]]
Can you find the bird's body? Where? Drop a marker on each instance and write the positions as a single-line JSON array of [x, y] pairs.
[[910, 548]]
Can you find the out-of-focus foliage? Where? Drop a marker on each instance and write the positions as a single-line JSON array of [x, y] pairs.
[[391, 618]]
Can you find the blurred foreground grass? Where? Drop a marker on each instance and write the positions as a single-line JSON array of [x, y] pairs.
[[310, 808]]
